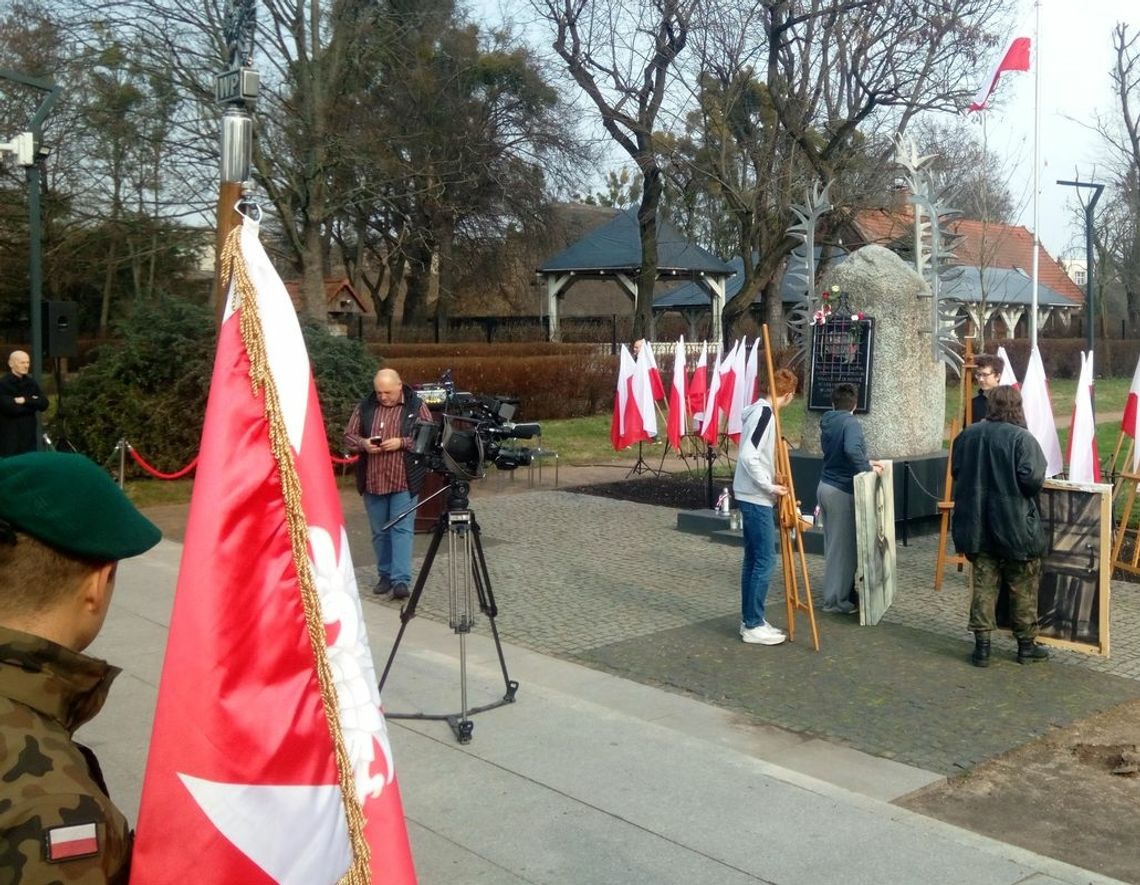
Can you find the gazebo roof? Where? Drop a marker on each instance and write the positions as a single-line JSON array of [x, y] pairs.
[[615, 247]]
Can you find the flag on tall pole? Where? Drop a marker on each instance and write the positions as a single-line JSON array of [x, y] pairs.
[[1084, 460], [625, 428], [1007, 375], [676, 422], [269, 759], [699, 386], [1039, 413], [1015, 57]]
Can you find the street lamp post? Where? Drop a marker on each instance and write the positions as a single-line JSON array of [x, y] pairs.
[[27, 148], [1090, 292]]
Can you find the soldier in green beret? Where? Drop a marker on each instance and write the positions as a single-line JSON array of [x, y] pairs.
[[64, 525]]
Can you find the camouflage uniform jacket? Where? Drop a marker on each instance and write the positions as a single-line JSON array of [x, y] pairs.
[[52, 795]]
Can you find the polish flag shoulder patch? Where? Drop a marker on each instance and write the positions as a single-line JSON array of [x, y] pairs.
[[70, 842]]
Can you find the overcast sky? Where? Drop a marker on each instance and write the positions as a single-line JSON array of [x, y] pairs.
[[1074, 56]]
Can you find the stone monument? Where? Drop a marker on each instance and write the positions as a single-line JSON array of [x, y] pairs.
[[907, 403]]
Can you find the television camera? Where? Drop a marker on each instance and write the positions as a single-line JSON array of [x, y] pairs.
[[469, 431]]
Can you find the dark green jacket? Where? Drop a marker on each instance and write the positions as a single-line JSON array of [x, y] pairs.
[[998, 470], [49, 782]]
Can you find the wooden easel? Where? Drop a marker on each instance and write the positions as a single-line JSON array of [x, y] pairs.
[[791, 524], [946, 505], [1127, 484]]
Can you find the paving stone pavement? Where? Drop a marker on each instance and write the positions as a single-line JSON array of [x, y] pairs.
[[613, 584]]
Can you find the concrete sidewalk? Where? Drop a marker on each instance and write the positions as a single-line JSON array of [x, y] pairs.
[[588, 777]]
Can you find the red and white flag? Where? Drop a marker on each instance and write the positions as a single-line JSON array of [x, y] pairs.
[[676, 423], [1132, 410], [1039, 413], [1084, 460], [270, 759], [1014, 58], [736, 404], [656, 386], [750, 373], [726, 386], [625, 428], [643, 392], [1007, 376], [699, 386], [710, 422]]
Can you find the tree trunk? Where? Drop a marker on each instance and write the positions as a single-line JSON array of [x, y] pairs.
[[419, 283], [445, 303], [647, 226]]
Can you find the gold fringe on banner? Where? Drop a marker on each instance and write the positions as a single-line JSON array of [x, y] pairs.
[[234, 269]]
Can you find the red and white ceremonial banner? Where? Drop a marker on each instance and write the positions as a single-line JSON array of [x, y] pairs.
[[625, 428], [1014, 58], [1039, 413], [726, 386], [270, 759], [676, 423], [1084, 460], [710, 422], [1131, 414], [699, 386], [1007, 376]]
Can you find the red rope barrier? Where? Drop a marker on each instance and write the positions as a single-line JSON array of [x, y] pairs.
[[157, 474], [351, 459]]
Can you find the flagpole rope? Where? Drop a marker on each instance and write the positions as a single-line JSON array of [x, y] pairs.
[[233, 268]]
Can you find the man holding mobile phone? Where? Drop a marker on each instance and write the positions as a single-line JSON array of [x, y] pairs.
[[388, 476]]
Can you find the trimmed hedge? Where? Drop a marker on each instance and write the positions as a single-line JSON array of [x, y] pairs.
[[1115, 358]]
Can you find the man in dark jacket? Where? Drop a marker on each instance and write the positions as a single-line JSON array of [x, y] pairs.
[[388, 476], [998, 469], [844, 455], [20, 400], [987, 373]]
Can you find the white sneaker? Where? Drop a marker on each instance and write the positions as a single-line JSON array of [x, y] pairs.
[[765, 634]]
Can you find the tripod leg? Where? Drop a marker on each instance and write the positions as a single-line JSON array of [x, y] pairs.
[[409, 610], [487, 604]]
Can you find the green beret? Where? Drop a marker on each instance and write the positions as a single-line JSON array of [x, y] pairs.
[[71, 504]]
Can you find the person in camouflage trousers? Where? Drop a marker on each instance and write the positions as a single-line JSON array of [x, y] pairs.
[[999, 469], [63, 527]]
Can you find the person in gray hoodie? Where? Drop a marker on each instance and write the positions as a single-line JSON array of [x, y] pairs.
[[756, 488], [844, 455]]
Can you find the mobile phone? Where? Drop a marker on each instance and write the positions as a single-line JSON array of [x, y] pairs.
[[376, 440]]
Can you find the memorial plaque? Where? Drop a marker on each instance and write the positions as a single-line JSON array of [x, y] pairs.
[[841, 350]]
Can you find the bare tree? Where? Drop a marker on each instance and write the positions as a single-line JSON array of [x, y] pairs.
[[1117, 228], [621, 54], [793, 92]]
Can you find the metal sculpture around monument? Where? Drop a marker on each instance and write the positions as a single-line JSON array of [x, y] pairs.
[[802, 268]]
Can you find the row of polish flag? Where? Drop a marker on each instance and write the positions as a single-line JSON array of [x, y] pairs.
[[711, 399], [714, 399]]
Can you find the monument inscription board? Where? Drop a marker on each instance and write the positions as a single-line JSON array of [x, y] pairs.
[[841, 352]]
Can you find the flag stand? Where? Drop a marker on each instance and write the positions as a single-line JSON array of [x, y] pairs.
[[641, 465], [791, 524], [457, 522]]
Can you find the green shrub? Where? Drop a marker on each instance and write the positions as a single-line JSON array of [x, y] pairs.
[[149, 385]]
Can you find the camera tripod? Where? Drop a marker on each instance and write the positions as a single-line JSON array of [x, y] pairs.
[[468, 581]]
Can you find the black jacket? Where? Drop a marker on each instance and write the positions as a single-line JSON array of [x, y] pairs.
[[414, 467], [998, 470], [18, 420]]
